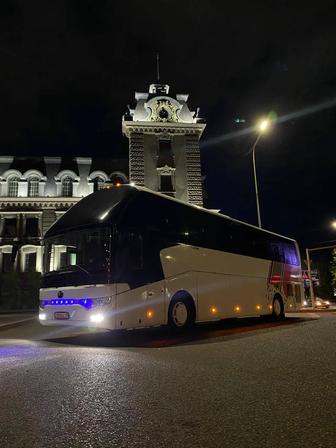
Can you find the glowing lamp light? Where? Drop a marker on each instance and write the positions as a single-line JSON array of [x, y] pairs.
[[97, 318], [42, 316], [237, 308], [270, 307], [333, 224], [263, 125], [213, 310], [149, 314], [258, 307], [118, 184]]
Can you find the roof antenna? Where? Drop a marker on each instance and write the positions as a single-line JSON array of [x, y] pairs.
[[158, 66]]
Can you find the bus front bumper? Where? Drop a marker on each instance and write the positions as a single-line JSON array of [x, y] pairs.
[[75, 316]]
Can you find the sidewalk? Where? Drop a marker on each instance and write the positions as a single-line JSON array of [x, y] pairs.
[[9, 320], [309, 309]]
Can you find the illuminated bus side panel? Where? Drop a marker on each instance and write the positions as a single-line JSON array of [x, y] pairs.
[[227, 284], [140, 307]]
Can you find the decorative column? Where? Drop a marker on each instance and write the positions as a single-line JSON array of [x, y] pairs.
[[193, 170], [136, 159]]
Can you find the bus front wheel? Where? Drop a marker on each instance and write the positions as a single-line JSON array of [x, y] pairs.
[[278, 308], [181, 314]]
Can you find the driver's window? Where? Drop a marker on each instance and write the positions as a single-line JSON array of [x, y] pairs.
[[135, 251]]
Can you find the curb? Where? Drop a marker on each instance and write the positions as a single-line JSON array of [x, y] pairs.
[[15, 323], [31, 311]]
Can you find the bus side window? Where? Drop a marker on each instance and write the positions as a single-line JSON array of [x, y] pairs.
[[276, 252], [135, 253]]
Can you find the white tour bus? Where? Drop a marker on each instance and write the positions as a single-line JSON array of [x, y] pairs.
[[126, 257]]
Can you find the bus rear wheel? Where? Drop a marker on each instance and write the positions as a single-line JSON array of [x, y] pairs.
[[278, 309], [181, 314]]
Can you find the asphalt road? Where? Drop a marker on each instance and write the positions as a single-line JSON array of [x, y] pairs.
[[243, 383]]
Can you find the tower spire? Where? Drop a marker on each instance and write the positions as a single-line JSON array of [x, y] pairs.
[[158, 66]]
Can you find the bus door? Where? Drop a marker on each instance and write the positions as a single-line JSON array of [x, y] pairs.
[[140, 293], [131, 287]]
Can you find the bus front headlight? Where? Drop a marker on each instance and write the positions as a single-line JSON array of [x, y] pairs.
[[97, 318]]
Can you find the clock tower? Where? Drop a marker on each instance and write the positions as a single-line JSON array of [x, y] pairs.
[[164, 136]]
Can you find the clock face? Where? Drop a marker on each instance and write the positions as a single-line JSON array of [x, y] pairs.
[[163, 113], [164, 110]]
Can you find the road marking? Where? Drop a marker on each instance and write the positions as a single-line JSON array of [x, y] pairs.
[[15, 322]]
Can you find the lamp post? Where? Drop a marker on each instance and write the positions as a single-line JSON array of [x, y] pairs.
[[311, 288], [314, 249], [261, 128]]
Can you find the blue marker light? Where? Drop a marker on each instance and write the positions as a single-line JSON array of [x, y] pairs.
[[85, 303]]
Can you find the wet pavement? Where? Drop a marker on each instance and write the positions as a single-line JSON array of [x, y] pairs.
[[237, 383]]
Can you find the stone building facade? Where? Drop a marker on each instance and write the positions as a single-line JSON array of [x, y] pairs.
[[35, 191], [164, 153]]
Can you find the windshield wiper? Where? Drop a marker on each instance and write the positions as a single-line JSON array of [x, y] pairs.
[[81, 267], [67, 269]]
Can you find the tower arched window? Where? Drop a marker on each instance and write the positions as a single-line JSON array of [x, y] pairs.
[[67, 186], [98, 183], [33, 186], [13, 186], [117, 179]]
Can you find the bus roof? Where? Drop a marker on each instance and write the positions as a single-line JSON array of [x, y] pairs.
[[96, 209], [101, 207], [215, 213]]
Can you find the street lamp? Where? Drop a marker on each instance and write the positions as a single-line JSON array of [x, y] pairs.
[[261, 128], [333, 224]]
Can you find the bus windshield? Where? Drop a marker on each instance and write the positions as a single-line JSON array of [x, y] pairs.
[[84, 250]]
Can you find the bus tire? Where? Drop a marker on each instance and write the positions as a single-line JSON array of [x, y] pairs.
[[181, 313], [278, 312]]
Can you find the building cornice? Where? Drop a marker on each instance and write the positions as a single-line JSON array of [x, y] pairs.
[[150, 127], [83, 160], [6, 159], [58, 202], [52, 160]]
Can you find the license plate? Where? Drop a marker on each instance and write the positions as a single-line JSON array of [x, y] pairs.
[[62, 315]]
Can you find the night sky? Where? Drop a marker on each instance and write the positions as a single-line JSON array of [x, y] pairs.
[[69, 69]]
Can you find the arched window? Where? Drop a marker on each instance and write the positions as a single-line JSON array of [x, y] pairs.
[[98, 183], [117, 179], [33, 186], [67, 186], [13, 186]]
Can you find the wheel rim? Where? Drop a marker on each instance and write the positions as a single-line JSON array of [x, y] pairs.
[[179, 314], [277, 307]]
